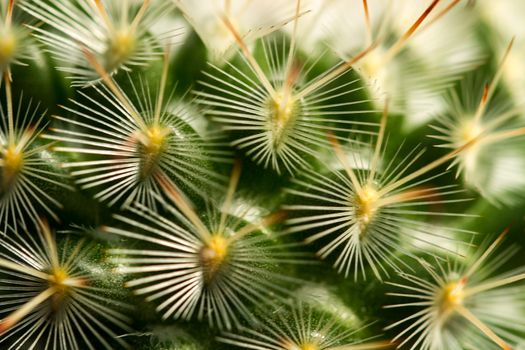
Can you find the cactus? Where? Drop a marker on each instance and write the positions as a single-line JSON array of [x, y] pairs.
[[272, 175]]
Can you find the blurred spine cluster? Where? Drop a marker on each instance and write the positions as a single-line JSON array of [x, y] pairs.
[[265, 175]]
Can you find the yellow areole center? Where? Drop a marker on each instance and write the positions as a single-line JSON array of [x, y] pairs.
[[62, 283], [8, 46], [453, 295], [152, 145], [13, 162], [121, 47], [58, 279], [366, 206], [213, 254], [468, 131], [283, 111], [308, 345]]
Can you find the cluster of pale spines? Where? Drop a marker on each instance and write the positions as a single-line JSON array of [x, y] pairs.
[[251, 20], [301, 326], [212, 266], [52, 301], [503, 18], [492, 165], [142, 141], [24, 164], [464, 304], [142, 152], [282, 117], [115, 33], [50, 296], [399, 57]]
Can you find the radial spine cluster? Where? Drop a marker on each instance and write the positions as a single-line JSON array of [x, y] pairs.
[[262, 175]]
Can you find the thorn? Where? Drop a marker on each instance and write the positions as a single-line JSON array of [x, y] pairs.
[[487, 252], [251, 227], [463, 281], [5, 325], [278, 216], [504, 233], [379, 142], [425, 169], [92, 60], [408, 195], [112, 85], [182, 204], [13, 318], [9, 15], [44, 224], [227, 7], [489, 91], [139, 15], [485, 93], [344, 161], [441, 13], [102, 10], [232, 186], [420, 20], [293, 75], [367, 22], [291, 50], [79, 282], [394, 49], [334, 73], [162, 84], [253, 63], [469, 316]]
